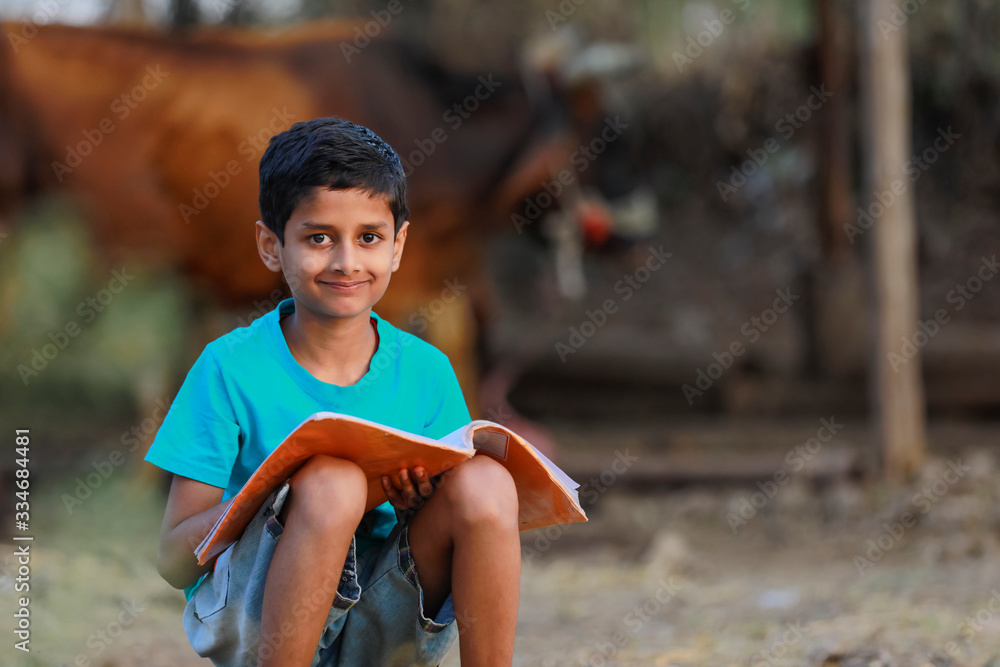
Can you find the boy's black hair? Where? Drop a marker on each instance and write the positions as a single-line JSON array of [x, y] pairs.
[[327, 152]]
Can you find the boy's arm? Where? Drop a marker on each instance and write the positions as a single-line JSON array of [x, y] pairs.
[[193, 507]]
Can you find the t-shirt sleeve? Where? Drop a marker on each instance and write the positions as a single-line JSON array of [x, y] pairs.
[[448, 409], [199, 437]]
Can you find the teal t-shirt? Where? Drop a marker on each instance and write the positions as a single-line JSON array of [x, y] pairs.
[[246, 393]]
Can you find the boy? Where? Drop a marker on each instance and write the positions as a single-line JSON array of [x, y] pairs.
[[313, 579]]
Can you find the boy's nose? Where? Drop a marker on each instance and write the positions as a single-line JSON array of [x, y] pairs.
[[344, 259]]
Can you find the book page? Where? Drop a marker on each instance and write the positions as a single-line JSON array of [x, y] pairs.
[[459, 437], [566, 480], [537, 478], [492, 437], [489, 440]]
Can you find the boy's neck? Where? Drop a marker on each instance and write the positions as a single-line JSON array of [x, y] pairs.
[[334, 350]]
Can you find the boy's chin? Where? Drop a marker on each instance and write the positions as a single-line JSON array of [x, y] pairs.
[[343, 309]]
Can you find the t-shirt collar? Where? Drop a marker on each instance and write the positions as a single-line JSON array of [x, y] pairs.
[[325, 390]]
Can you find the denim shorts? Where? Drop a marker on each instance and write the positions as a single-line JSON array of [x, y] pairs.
[[376, 619]]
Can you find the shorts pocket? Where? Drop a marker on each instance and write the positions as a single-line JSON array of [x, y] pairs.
[[212, 594]]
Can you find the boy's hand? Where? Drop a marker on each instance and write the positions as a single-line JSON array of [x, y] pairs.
[[408, 489]]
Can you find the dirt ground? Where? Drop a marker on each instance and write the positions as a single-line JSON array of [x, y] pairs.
[[847, 572]]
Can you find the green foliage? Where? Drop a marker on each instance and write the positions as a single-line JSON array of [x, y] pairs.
[[79, 335]]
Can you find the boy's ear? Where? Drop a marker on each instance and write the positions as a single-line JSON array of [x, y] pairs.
[[397, 244], [267, 246]]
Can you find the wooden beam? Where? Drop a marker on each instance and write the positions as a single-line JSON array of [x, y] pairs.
[[898, 392]]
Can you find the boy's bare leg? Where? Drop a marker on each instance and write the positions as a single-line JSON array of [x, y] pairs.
[[324, 507], [465, 540]]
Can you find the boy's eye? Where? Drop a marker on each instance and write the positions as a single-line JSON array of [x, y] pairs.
[[368, 238]]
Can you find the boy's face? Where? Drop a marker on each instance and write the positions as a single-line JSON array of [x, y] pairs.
[[339, 251]]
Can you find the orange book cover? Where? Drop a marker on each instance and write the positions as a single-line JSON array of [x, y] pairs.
[[546, 495]]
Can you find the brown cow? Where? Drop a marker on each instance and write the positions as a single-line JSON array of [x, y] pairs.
[[158, 138]]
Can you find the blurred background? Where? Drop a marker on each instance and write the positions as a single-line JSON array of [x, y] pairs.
[[728, 262]]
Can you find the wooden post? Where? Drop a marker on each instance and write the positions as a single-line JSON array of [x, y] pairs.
[[835, 146], [897, 392], [840, 339]]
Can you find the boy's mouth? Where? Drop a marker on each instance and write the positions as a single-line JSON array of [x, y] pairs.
[[345, 286]]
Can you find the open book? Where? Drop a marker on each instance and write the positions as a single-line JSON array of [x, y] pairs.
[[546, 495]]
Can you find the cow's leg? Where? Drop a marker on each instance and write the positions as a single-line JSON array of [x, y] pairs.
[[152, 397], [155, 385], [453, 331]]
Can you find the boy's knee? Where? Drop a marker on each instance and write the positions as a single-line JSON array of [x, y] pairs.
[[481, 490], [328, 492]]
